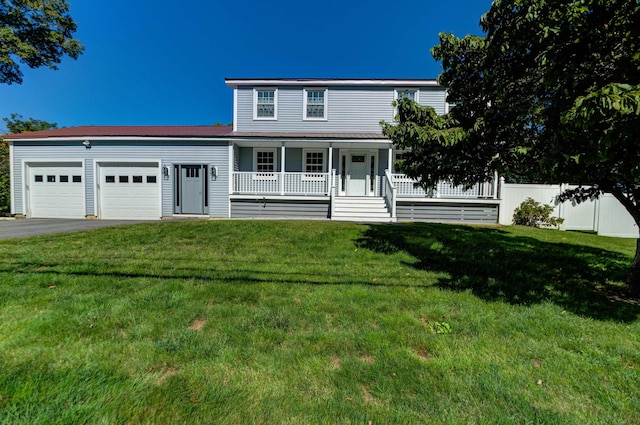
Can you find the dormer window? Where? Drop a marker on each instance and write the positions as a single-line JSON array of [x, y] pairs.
[[265, 104], [315, 104]]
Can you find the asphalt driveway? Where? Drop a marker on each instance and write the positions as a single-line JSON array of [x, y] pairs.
[[41, 226]]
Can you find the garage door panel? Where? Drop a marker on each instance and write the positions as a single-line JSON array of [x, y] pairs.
[[130, 191], [56, 190]]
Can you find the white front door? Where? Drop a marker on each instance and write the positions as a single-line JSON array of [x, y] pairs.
[[357, 176]]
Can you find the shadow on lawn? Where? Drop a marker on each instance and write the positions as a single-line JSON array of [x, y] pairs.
[[498, 266]]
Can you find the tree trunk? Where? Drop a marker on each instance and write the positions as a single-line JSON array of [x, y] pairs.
[[633, 279]]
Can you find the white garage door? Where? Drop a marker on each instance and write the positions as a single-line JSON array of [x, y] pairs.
[[56, 190], [129, 190]]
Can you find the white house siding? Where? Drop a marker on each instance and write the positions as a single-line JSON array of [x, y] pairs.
[[435, 97], [213, 153], [349, 109]]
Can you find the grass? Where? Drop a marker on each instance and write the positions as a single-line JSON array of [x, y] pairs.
[[233, 322]]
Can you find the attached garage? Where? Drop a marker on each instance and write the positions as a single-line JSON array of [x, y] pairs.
[[55, 190], [129, 190]]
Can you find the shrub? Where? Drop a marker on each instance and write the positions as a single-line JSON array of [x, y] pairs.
[[534, 214]]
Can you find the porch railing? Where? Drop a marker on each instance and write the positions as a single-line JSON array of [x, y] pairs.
[[405, 188], [389, 193], [281, 183]]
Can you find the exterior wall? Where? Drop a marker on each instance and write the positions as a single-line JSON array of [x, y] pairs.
[[293, 160], [278, 208], [447, 212], [349, 109], [213, 153], [89, 181]]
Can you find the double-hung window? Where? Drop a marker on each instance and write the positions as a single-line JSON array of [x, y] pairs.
[[408, 93], [265, 104], [313, 164], [315, 104], [264, 163], [411, 94]]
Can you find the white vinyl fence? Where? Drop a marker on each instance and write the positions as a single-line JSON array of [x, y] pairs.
[[605, 215]]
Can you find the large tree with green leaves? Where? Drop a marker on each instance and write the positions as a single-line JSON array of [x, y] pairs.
[[550, 93], [14, 124], [37, 33]]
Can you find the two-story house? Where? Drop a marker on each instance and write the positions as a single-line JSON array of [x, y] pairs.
[[298, 148]]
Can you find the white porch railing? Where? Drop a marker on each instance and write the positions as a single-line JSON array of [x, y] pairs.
[[389, 193], [281, 183], [405, 188]]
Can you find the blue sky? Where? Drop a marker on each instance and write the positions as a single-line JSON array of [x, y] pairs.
[[161, 62]]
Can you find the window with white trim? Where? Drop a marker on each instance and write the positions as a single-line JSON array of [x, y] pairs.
[[265, 104], [264, 160], [314, 161], [313, 164], [411, 94], [315, 104]]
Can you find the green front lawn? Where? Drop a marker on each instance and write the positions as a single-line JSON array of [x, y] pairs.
[[280, 322]]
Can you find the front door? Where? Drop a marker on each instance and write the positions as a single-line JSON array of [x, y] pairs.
[[192, 187], [357, 175]]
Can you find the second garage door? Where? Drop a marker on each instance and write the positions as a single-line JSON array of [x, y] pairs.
[[129, 191]]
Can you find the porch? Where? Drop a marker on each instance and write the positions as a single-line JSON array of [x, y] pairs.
[[343, 180], [394, 198]]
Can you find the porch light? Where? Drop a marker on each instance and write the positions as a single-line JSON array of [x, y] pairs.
[[165, 172]]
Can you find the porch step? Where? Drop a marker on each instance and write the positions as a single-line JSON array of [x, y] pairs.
[[369, 209]]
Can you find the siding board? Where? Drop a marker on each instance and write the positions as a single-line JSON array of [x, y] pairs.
[[349, 109], [447, 212], [273, 208], [89, 187]]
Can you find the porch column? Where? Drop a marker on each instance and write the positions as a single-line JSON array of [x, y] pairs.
[[330, 168], [231, 171], [390, 159], [282, 162]]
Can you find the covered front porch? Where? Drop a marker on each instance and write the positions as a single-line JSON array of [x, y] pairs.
[[298, 177]]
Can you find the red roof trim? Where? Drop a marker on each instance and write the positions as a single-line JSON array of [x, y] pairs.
[[126, 131]]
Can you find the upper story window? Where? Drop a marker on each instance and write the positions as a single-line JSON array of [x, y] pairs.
[[315, 104], [265, 104], [411, 94]]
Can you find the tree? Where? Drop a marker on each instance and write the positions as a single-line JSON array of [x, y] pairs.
[[15, 124], [550, 93], [37, 33]]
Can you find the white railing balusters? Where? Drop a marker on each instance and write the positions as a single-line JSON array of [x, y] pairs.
[[246, 182], [405, 188], [320, 184]]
